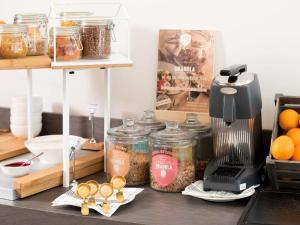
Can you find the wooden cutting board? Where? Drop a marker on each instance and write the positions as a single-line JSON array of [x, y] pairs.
[[52, 177], [11, 146]]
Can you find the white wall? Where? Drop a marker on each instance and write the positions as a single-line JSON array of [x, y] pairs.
[[263, 34]]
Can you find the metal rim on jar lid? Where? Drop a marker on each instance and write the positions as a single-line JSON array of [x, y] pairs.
[[31, 18], [149, 121], [128, 130], [75, 14], [12, 28], [172, 133], [97, 21], [192, 123], [65, 31]]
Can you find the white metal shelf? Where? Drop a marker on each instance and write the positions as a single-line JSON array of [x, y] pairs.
[[115, 60]]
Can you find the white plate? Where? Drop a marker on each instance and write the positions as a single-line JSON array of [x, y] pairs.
[[196, 190]]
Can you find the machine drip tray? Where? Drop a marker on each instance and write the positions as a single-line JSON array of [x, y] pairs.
[[227, 171], [269, 207]]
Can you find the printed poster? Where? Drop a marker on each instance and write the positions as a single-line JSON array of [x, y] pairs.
[[185, 70]]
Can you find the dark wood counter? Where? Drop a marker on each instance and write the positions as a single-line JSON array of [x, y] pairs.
[[150, 207]]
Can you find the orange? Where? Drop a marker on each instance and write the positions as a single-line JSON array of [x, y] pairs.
[[288, 119], [283, 148], [296, 155], [295, 135], [2, 22]]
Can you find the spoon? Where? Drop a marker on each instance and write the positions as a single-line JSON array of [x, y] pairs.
[[29, 160]]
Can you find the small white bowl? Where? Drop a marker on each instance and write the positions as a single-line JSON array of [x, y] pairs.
[[16, 171], [22, 108], [22, 120], [24, 114], [21, 130], [23, 99], [50, 145]]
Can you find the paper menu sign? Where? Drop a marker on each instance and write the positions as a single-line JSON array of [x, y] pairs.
[[185, 70]]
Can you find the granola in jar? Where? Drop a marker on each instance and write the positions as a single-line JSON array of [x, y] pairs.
[[203, 137], [172, 166], [128, 154]]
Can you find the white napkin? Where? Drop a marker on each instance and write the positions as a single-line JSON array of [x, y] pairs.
[[69, 198], [196, 190]]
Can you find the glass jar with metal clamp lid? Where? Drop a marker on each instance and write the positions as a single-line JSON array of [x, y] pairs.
[[13, 41], [68, 43], [96, 35], [36, 27]]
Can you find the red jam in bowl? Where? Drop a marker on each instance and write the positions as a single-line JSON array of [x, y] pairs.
[[17, 164]]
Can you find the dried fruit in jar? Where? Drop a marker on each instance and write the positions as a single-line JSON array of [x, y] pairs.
[[67, 48], [12, 46]]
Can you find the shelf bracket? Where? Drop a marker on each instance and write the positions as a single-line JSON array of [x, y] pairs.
[[107, 78], [66, 130], [29, 104]]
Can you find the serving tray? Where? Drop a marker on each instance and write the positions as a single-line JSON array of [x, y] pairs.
[[11, 146], [46, 176], [269, 207]]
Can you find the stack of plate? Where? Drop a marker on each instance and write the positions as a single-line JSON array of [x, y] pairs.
[[18, 116]]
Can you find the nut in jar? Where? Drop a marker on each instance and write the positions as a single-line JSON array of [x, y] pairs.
[[128, 154], [172, 159], [13, 41]]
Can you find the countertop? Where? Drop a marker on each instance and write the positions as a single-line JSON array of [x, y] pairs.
[[149, 208]]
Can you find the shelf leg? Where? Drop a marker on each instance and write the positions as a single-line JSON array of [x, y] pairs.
[[107, 109], [29, 104], [66, 130]]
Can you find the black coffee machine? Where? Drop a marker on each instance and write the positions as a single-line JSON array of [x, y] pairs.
[[235, 111]]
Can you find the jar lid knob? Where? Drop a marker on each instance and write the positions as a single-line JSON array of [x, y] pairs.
[[191, 118], [149, 114], [171, 125], [128, 122]]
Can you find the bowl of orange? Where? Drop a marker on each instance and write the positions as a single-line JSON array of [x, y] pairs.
[[287, 146]]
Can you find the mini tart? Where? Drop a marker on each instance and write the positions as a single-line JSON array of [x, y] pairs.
[[83, 190], [94, 186], [118, 182], [106, 190]]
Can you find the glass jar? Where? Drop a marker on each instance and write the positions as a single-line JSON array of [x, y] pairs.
[[36, 25], [204, 145], [70, 19], [150, 122], [68, 43], [13, 41], [127, 153], [172, 160], [96, 38]]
